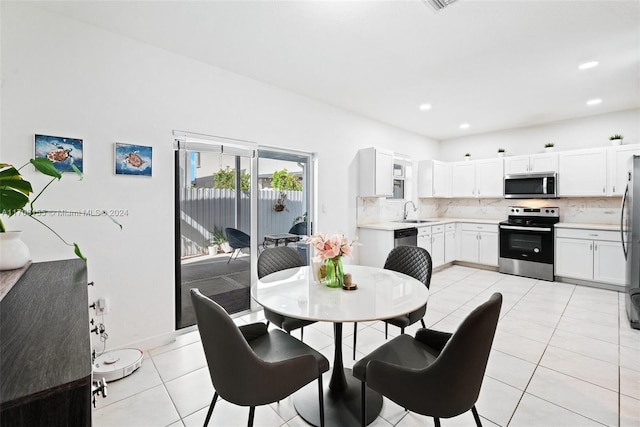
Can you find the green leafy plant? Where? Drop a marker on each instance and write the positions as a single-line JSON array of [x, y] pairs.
[[549, 145], [616, 136], [217, 237], [16, 199], [226, 179], [283, 180], [467, 155], [501, 150]]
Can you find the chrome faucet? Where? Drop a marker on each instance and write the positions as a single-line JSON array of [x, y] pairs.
[[405, 213]]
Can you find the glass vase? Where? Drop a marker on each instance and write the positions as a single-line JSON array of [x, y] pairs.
[[335, 273]]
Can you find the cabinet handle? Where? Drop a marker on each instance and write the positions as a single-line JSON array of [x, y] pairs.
[[595, 247], [604, 190], [591, 247], [614, 188]]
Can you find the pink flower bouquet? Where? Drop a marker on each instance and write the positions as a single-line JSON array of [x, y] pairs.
[[331, 246]]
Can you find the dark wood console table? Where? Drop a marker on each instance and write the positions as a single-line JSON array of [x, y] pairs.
[[45, 349]]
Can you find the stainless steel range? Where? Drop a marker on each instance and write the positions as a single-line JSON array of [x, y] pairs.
[[527, 242]]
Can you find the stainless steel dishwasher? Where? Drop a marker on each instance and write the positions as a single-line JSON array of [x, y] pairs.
[[405, 237]]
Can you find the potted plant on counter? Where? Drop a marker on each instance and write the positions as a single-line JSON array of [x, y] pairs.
[[548, 147], [616, 139], [467, 156], [501, 152], [16, 199]]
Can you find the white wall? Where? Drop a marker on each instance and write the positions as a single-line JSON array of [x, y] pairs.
[[64, 78], [587, 132]]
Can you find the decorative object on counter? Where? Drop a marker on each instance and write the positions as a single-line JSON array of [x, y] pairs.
[[330, 250], [66, 154], [548, 147], [467, 156], [15, 200], [616, 139], [501, 152], [133, 159], [348, 283]]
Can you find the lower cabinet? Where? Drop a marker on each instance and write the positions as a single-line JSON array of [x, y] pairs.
[[479, 243], [590, 255], [450, 243], [432, 239]]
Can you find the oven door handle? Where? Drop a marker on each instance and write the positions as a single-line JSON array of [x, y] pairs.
[[514, 227]]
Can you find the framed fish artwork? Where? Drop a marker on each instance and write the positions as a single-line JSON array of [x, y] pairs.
[[65, 153], [133, 159]]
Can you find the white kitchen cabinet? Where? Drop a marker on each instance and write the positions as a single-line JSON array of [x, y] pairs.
[[376, 245], [477, 178], [434, 178], [544, 162], [376, 172], [590, 255], [432, 239], [479, 243], [489, 177], [463, 179], [449, 243], [617, 167], [582, 172]]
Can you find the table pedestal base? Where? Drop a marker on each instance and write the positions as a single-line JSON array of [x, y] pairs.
[[340, 408]]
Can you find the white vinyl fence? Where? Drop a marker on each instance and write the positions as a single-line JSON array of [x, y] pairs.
[[202, 209]]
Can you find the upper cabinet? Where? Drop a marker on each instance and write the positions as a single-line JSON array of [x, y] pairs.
[[434, 179], [478, 178], [376, 172], [582, 172], [618, 167], [544, 162]]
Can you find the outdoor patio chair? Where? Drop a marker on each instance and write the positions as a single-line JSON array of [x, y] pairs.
[[238, 240]]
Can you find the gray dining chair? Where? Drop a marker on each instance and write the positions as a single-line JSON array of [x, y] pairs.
[[436, 374], [251, 366], [413, 261], [276, 259]]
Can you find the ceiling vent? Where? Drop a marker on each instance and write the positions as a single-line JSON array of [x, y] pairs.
[[439, 4]]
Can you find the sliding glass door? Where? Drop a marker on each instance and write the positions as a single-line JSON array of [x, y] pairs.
[[214, 181]]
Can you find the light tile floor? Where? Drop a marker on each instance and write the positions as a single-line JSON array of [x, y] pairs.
[[563, 355]]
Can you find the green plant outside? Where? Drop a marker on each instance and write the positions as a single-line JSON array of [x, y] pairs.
[[217, 236], [284, 181], [226, 179]]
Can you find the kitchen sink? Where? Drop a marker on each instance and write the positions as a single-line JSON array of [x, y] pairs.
[[415, 221]]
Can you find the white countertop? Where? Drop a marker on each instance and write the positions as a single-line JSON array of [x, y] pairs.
[[395, 225], [612, 227]]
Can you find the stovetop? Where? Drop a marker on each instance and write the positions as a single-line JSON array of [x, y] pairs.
[[532, 217]]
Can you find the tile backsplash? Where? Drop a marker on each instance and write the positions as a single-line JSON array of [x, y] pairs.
[[587, 210]]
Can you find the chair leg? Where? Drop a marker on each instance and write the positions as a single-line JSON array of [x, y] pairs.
[[301, 334], [213, 403], [231, 257], [402, 331], [476, 416], [321, 400], [355, 338], [252, 412], [423, 325], [386, 330], [363, 406], [436, 421]]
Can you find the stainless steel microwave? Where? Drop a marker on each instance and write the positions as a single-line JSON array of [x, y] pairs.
[[531, 186]]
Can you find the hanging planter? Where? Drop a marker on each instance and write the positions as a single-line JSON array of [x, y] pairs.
[[279, 206]]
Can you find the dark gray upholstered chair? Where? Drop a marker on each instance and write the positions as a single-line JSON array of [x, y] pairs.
[[412, 261], [250, 366], [299, 228], [237, 240], [270, 261], [436, 373]]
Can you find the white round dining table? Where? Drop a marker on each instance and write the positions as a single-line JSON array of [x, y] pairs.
[[380, 294]]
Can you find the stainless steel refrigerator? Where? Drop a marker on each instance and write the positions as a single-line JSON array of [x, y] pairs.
[[630, 236]]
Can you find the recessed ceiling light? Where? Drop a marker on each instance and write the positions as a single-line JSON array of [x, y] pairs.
[[464, 126], [588, 65], [595, 101], [425, 107]]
